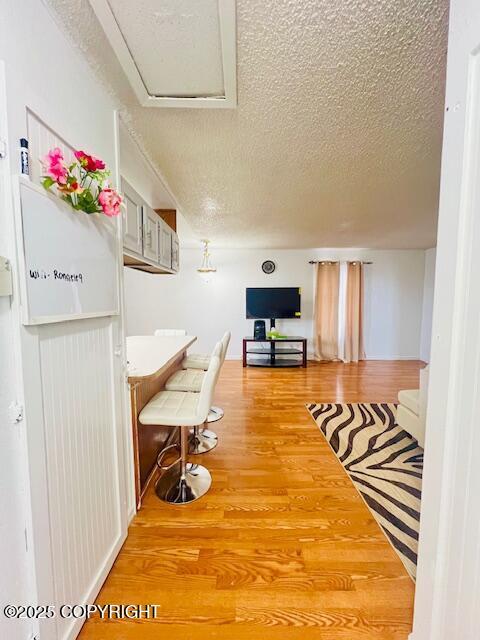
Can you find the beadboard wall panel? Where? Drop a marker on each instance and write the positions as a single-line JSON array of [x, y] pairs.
[[81, 456], [40, 140]]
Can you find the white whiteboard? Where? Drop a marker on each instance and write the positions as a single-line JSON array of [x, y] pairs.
[[70, 259]]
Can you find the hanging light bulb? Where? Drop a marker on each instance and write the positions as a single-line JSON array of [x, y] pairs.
[[206, 270]]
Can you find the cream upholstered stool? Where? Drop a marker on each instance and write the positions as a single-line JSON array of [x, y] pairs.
[[182, 482], [170, 332], [217, 413], [202, 440], [200, 362], [196, 361]]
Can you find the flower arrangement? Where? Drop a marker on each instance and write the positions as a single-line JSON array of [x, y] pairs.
[[83, 183]]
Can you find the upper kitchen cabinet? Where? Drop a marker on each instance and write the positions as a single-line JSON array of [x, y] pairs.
[[151, 223], [175, 252], [149, 241], [132, 219], [165, 244], [169, 245], [148, 210]]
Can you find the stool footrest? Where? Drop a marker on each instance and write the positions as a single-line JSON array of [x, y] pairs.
[[215, 413], [161, 455]]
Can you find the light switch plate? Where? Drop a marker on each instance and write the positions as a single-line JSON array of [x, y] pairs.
[[5, 277]]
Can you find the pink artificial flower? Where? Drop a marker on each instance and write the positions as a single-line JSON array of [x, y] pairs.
[[54, 167], [99, 164], [89, 163], [110, 202]]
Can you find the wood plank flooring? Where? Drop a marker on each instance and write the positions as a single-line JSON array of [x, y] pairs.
[[282, 547]]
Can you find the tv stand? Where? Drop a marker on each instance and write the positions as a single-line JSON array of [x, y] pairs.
[[268, 355]]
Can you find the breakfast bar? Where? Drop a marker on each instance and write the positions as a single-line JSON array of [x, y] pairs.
[[151, 360]]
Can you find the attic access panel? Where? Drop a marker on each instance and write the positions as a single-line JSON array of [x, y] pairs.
[[175, 53]]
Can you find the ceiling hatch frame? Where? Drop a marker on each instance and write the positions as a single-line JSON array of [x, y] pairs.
[[228, 39]]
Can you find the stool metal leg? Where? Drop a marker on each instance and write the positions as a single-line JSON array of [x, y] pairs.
[[202, 441], [215, 413], [184, 482]]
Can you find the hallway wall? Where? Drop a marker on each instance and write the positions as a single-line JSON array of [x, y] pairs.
[[45, 72]]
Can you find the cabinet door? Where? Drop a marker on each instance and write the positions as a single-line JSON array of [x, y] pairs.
[[132, 219], [150, 233], [165, 235], [175, 252]]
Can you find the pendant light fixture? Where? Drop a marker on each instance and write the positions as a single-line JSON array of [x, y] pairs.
[[206, 269]]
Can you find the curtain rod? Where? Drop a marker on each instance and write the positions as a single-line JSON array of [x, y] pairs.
[[335, 261]]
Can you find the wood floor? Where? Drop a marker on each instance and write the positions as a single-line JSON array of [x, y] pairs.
[[282, 547]]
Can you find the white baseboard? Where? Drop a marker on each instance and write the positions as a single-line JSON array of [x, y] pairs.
[[310, 356], [388, 358]]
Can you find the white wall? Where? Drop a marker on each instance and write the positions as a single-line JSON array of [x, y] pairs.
[[148, 183], [45, 72], [14, 574], [447, 589], [140, 174], [427, 312], [393, 296]]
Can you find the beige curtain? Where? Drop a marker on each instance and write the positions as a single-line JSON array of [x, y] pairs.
[[353, 351], [326, 311]]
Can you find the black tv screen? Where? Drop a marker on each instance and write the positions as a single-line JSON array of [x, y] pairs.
[[273, 302]]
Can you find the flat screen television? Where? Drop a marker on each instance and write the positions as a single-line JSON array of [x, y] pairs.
[[273, 302]]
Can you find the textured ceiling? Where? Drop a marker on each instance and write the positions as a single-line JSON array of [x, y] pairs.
[[336, 140]]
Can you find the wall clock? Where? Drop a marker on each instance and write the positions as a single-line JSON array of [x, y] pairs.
[[268, 266]]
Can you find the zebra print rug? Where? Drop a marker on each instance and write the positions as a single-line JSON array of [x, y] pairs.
[[384, 463]]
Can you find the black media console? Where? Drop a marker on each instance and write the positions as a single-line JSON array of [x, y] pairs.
[[266, 356]]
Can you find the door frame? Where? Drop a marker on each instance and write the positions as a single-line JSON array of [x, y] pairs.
[[448, 589], [25, 566]]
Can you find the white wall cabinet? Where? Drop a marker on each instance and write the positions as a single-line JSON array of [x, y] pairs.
[[175, 252], [149, 243], [150, 233], [165, 241], [132, 219]]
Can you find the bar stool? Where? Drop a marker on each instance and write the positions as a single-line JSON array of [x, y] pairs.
[[200, 362], [190, 381], [182, 482], [202, 440]]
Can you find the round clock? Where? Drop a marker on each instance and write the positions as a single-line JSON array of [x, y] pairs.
[[268, 266]]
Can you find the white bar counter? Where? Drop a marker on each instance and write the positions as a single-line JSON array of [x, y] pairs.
[[149, 356], [151, 360]]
